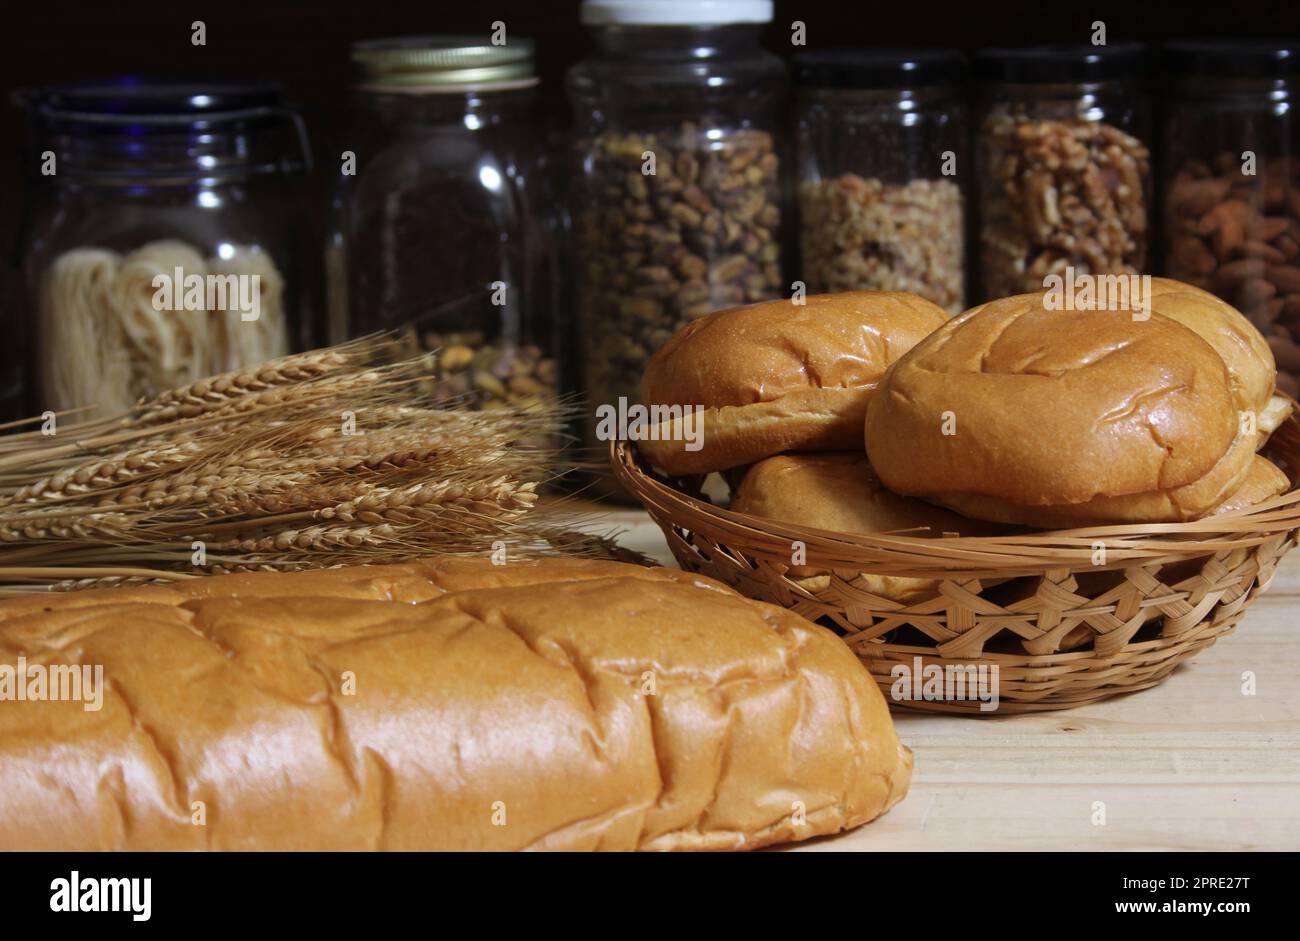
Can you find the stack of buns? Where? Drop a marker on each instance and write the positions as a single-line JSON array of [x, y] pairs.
[[1020, 414], [1012, 414]]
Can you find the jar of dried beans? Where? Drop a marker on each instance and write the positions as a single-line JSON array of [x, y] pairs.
[[441, 232], [1231, 183], [1064, 164], [676, 195], [881, 160]]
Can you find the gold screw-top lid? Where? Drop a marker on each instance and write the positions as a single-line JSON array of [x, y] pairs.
[[428, 61]]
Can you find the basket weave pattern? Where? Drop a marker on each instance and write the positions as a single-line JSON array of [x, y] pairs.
[[1062, 629]]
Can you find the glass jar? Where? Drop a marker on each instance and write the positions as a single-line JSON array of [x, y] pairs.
[[1064, 164], [676, 194], [439, 230], [1231, 183], [881, 162], [163, 244]]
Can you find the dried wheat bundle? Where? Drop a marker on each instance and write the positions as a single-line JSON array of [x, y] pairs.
[[318, 459]]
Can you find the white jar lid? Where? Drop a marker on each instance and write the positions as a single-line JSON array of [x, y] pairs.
[[675, 12]]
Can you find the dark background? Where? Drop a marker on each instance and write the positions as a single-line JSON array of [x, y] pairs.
[[304, 44]]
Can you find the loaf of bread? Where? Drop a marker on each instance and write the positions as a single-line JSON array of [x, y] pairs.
[[778, 376], [440, 705], [1019, 414]]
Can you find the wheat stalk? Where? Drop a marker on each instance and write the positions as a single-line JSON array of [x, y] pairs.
[[103, 474], [207, 395], [319, 459]]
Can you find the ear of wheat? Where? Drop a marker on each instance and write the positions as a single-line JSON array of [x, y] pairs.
[[318, 459]]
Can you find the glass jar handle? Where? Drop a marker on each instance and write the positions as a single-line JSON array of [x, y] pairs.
[[300, 131]]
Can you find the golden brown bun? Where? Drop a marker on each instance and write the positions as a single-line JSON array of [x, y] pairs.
[[1251, 367], [780, 376], [1243, 348], [1172, 505], [1062, 418], [1277, 410], [839, 492], [476, 694], [1264, 482]]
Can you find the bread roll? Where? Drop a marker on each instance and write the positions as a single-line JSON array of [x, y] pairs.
[[562, 705], [1264, 482], [838, 491], [779, 376], [1060, 418], [1251, 368]]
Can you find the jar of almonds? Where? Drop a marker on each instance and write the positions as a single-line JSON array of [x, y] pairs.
[[1232, 183], [1064, 164], [676, 192]]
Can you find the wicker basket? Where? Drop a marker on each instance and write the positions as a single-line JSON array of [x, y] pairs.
[[1061, 629]]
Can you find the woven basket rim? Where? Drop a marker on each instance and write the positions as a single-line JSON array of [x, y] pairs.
[[950, 556], [1062, 658]]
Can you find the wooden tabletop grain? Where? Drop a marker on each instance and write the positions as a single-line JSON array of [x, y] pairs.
[[1194, 763]]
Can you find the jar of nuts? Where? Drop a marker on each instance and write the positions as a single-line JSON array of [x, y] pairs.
[[441, 235], [676, 191], [1231, 183], [1064, 164], [881, 159]]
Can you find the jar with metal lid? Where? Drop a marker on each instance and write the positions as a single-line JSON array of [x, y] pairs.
[[676, 194], [882, 158], [440, 228], [163, 241], [1064, 164], [1231, 182]]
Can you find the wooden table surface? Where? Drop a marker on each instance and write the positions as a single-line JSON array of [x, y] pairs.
[[1192, 764]]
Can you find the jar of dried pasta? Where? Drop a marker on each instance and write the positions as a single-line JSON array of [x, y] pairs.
[[441, 230], [882, 157], [675, 196], [163, 244], [1064, 165]]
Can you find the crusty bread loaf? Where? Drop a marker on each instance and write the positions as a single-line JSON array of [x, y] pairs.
[[838, 491], [444, 704], [1060, 418], [779, 376]]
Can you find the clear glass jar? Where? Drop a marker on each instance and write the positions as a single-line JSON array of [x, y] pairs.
[[440, 231], [881, 162], [147, 197], [1230, 183], [676, 194], [1064, 164]]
